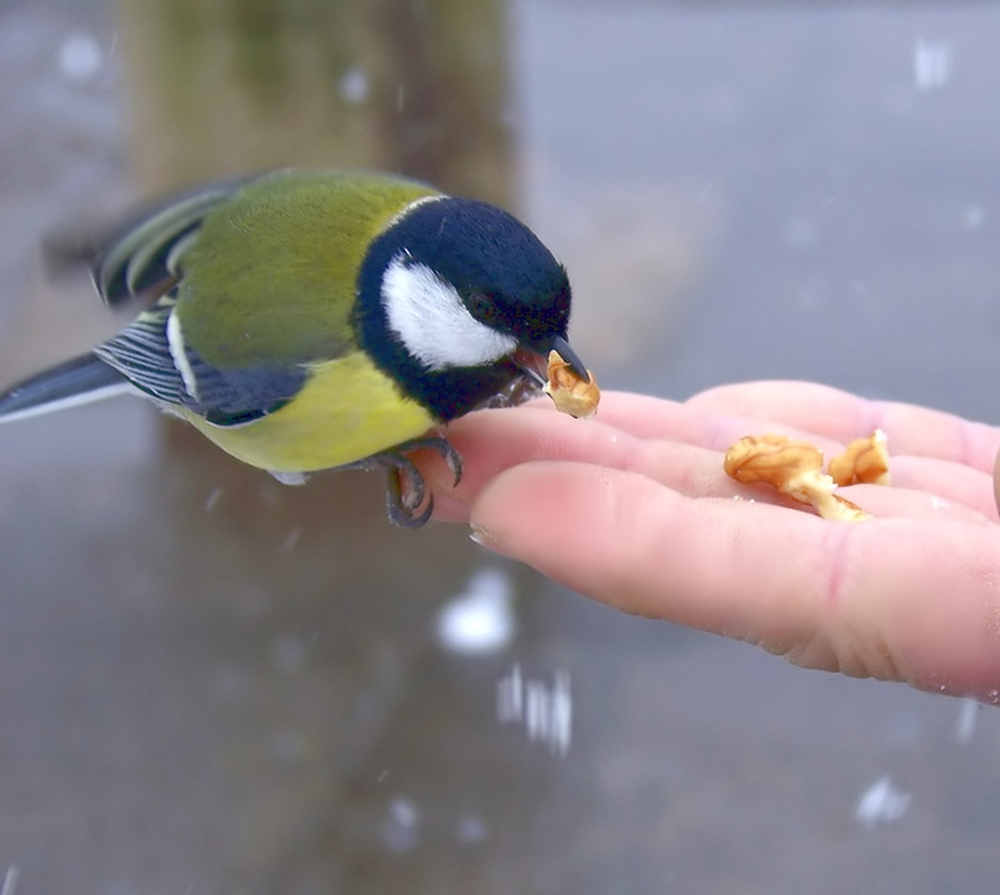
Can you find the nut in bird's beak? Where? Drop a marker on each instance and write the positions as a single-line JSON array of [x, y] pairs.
[[565, 379], [534, 360]]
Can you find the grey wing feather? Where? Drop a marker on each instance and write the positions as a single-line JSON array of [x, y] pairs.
[[143, 264], [143, 353], [77, 381]]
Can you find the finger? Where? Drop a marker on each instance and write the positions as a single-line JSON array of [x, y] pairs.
[[496, 440], [915, 600], [842, 416], [492, 442], [947, 480], [908, 503], [630, 427], [647, 417]]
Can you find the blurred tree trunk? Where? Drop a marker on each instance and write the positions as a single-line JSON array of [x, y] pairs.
[[226, 86]]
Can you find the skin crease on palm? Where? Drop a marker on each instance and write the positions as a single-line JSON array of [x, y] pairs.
[[633, 508]]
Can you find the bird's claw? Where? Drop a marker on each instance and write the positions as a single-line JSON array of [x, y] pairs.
[[406, 490]]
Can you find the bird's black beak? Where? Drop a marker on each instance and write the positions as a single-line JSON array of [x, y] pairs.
[[534, 358], [570, 356]]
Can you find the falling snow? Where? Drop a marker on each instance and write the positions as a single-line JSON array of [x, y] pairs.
[[10, 880], [354, 87], [882, 803], [80, 57], [481, 619], [544, 710], [399, 829], [932, 64], [968, 714]]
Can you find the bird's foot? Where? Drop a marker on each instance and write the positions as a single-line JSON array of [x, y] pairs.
[[406, 491]]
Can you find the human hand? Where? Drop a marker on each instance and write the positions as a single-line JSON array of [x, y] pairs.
[[634, 509]]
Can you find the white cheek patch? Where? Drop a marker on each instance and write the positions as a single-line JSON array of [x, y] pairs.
[[428, 316]]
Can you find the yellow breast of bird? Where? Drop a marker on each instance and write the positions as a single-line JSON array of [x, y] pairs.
[[347, 410]]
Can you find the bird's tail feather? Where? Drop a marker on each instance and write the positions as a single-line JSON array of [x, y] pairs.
[[78, 381]]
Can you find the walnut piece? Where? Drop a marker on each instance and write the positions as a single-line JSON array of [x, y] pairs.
[[865, 462], [571, 393], [794, 468]]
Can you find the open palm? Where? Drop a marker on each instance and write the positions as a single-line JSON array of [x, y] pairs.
[[634, 509]]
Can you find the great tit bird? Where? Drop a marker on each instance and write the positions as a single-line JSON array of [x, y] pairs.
[[306, 321]]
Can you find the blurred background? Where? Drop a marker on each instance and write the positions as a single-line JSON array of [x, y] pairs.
[[210, 683]]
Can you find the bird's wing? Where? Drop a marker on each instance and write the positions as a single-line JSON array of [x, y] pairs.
[[143, 264], [150, 352], [140, 261]]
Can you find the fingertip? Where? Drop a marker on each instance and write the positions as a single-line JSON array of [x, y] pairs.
[[517, 509], [567, 520]]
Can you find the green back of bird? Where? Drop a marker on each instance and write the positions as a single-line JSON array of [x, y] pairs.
[[307, 232]]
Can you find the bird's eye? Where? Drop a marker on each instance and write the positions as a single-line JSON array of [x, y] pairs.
[[482, 307]]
